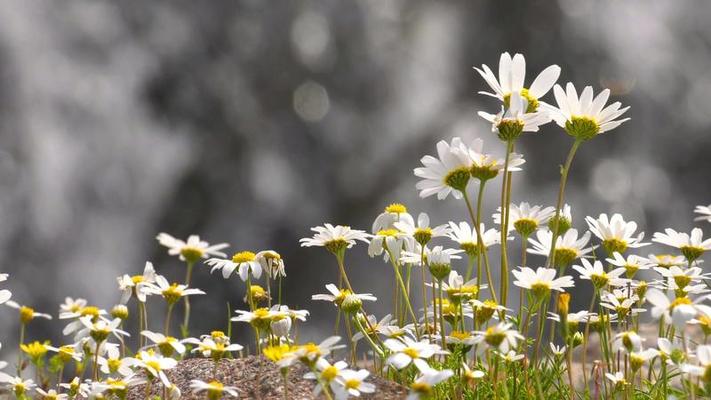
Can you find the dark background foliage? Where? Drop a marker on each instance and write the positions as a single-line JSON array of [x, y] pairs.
[[251, 121]]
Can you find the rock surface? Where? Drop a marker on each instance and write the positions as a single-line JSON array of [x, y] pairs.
[[255, 378]]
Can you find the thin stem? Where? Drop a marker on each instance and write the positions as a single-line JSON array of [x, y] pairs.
[[586, 338], [561, 196], [424, 286], [19, 354], [185, 331], [441, 316], [482, 249], [505, 190], [403, 289], [166, 328], [524, 246]]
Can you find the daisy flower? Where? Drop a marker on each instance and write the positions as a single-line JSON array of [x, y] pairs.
[[136, 285], [621, 303], [616, 234], [629, 341], [387, 241], [167, 345], [335, 238], [343, 297], [670, 352], [51, 394], [617, 379], [112, 362], [310, 352], [374, 327], [596, 273], [99, 329], [326, 373], [272, 263], [704, 212], [394, 213], [244, 261], [191, 250], [448, 173], [541, 281], [414, 257], [421, 232], [458, 290], [406, 350], [500, 336], [666, 260], [213, 346], [563, 221], [27, 314], [691, 246], [639, 358], [154, 364], [17, 385], [466, 236], [485, 166], [71, 307], [170, 292], [510, 122], [512, 74], [585, 117], [568, 247], [423, 386], [524, 218], [681, 278], [631, 264], [679, 311], [470, 375], [214, 389], [352, 383], [703, 355]]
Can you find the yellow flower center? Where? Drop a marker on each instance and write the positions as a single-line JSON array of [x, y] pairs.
[[329, 373], [422, 388], [191, 253], [396, 208], [388, 232], [411, 352], [532, 101], [136, 279], [582, 127], [679, 301], [457, 178], [243, 257], [27, 314], [90, 310], [352, 384], [172, 294]]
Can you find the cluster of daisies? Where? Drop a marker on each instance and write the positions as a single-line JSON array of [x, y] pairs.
[[453, 331]]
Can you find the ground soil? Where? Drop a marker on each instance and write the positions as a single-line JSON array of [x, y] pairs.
[[254, 378]]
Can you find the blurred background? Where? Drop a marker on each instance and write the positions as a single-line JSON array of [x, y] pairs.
[[249, 122]]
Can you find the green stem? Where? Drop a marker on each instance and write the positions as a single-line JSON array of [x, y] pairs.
[[166, 328], [19, 354], [505, 191], [441, 316], [482, 249], [561, 197], [184, 329], [403, 289]]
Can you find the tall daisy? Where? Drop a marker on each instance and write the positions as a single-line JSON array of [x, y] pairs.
[[511, 122], [616, 234], [335, 238], [524, 218], [568, 247], [394, 213], [541, 281], [692, 246], [585, 117], [512, 75], [447, 173], [192, 249], [245, 262]]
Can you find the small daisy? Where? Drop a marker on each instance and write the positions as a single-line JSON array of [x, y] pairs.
[[421, 232], [394, 213], [616, 234], [541, 281], [691, 246], [170, 292], [666, 260], [469, 375], [617, 379], [622, 303], [414, 257], [51, 394], [340, 296], [214, 389], [154, 364], [166, 344], [213, 346], [500, 336], [387, 241], [703, 355], [112, 362], [423, 386], [678, 311], [568, 247], [449, 173], [466, 236], [585, 117], [136, 285], [191, 250], [326, 374], [596, 273], [631, 264], [406, 350], [629, 341], [704, 212], [352, 383], [458, 290], [510, 122], [271, 263], [99, 329], [335, 238], [27, 314], [512, 74], [17, 385], [681, 278], [486, 166], [524, 218], [311, 352], [244, 261], [5, 295]]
